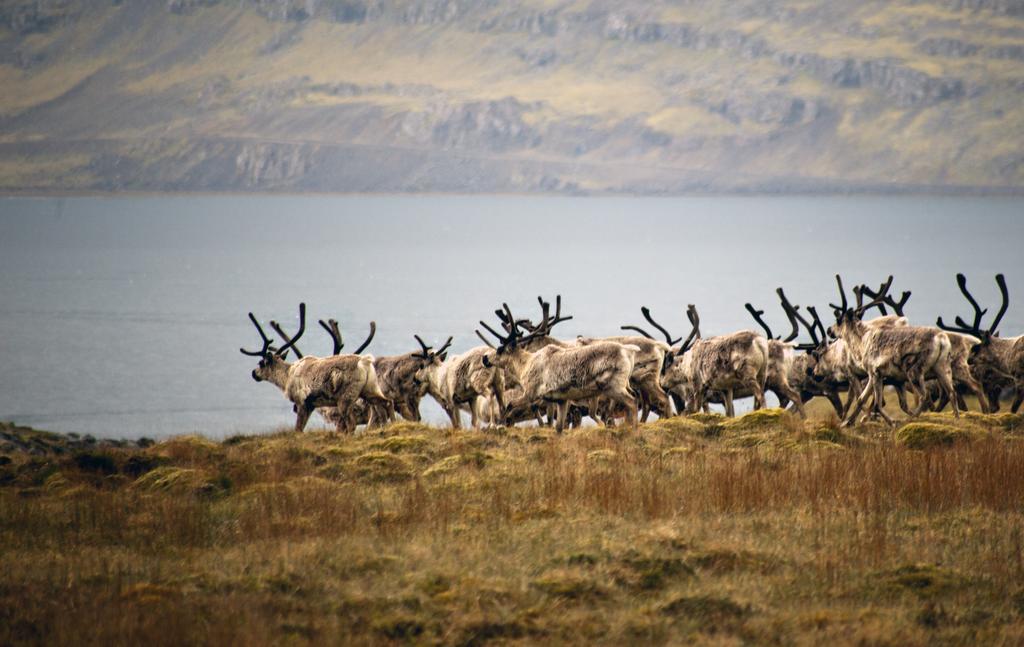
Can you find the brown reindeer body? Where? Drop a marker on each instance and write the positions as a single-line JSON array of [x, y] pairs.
[[600, 370], [396, 375], [463, 381], [647, 370], [727, 363], [1000, 362], [909, 354], [311, 382]]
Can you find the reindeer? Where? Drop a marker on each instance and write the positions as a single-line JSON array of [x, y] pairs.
[[312, 382], [727, 363], [995, 361], [563, 375], [825, 368], [649, 365], [959, 353], [540, 337], [462, 381], [908, 354], [782, 361], [360, 413]]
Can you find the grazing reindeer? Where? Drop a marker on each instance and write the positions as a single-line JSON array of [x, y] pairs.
[[781, 361], [727, 363], [996, 361], [906, 353], [312, 382], [600, 370]]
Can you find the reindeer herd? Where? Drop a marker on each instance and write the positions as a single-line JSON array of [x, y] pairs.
[[525, 374]]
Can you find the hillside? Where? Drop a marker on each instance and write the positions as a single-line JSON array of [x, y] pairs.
[[482, 95]]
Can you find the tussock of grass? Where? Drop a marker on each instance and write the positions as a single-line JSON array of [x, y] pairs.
[[925, 580], [923, 435], [710, 613], [680, 426], [396, 444], [568, 585]]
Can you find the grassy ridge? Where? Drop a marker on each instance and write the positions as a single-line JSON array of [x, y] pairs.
[[759, 529]]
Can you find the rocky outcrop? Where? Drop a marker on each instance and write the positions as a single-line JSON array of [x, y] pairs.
[[268, 165], [908, 87], [949, 47], [490, 125]]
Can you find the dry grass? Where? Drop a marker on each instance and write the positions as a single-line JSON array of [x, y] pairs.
[[764, 529]]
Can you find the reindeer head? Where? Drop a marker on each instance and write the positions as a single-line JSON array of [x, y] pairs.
[[514, 342], [273, 362], [981, 353], [427, 362]]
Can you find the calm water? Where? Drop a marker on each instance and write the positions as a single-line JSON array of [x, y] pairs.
[[123, 316]]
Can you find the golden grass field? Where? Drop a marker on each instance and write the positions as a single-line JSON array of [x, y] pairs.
[[762, 529]]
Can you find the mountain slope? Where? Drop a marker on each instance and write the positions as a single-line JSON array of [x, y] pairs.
[[482, 95]]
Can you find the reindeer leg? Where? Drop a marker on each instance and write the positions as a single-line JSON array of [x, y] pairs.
[[730, 409], [945, 375], [789, 393], [302, 413], [860, 401], [563, 408], [837, 404], [975, 388], [1017, 401], [993, 400], [901, 395], [454, 415], [879, 402]]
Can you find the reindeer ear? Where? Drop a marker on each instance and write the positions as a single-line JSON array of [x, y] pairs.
[[443, 356], [486, 362], [284, 355]]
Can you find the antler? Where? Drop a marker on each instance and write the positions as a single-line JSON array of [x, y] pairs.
[[263, 335], [646, 312], [373, 331], [288, 340], [637, 329], [331, 326], [975, 328], [879, 298], [691, 314], [756, 314], [1001, 282], [840, 309], [423, 345], [290, 343], [882, 292], [428, 353], [793, 311], [483, 339], [544, 328]]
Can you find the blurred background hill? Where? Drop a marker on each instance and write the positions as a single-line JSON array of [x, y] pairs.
[[492, 96]]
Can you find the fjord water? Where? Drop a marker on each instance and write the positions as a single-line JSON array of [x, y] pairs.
[[123, 316]]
